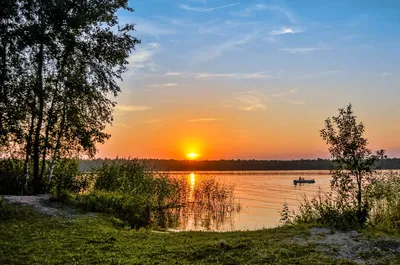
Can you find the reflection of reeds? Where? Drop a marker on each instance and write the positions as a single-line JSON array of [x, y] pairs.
[[208, 204]]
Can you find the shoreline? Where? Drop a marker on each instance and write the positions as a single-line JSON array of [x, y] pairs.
[[27, 236]]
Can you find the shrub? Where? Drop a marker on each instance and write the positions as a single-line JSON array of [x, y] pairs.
[[385, 201], [12, 177], [127, 190], [132, 209], [124, 175], [286, 215], [329, 210], [68, 179], [64, 196]]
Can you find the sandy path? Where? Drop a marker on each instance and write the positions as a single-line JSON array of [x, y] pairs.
[[44, 205]]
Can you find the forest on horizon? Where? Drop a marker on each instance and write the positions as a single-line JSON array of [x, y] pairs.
[[235, 164]]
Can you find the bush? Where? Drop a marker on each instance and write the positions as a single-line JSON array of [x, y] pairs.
[[127, 190], [132, 209], [124, 175], [68, 179], [385, 202], [12, 180], [328, 209], [64, 196]]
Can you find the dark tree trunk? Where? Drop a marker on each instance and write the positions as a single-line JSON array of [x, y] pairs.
[[361, 217], [36, 180], [46, 138], [58, 146], [28, 147]]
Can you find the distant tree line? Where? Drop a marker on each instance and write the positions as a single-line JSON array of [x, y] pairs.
[[239, 164]]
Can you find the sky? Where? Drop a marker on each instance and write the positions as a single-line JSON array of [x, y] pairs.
[[251, 79]]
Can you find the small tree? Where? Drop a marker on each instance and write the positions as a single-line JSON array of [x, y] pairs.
[[354, 164]]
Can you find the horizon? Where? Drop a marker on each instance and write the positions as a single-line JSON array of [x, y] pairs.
[[255, 79]]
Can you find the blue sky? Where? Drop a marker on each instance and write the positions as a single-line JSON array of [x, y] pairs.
[[256, 69]]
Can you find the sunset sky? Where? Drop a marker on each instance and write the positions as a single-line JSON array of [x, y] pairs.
[[256, 79]]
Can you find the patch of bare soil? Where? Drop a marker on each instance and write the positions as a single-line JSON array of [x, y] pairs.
[[353, 246], [44, 205]]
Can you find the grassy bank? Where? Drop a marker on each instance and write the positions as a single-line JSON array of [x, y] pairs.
[[30, 238]]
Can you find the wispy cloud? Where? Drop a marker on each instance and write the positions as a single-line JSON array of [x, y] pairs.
[[321, 74], [257, 100], [296, 102], [285, 30], [145, 27], [164, 85], [350, 37], [249, 101], [205, 9], [385, 74], [173, 74], [131, 108], [142, 58], [273, 8], [202, 120], [303, 50], [220, 49], [258, 75], [285, 93]]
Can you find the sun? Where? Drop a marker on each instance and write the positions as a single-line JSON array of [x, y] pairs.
[[192, 156]]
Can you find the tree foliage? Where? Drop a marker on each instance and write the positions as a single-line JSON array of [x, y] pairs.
[[354, 164], [60, 63]]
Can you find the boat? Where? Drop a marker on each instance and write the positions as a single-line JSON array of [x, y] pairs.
[[303, 181]]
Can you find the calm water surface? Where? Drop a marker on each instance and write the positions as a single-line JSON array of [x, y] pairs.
[[261, 195]]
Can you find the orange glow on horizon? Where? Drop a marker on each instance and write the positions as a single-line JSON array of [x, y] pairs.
[[233, 135]]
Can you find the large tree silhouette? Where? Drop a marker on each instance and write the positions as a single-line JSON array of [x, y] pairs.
[[354, 163], [60, 63]]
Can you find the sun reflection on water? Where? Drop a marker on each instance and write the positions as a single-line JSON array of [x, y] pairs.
[[192, 183]]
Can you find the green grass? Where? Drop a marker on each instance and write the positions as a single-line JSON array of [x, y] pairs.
[[29, 238]]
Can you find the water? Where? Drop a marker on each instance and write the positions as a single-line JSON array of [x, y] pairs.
[[261, 195]]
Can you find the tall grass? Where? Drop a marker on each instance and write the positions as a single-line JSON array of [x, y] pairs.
[[131, 192], [209, 205], [328, 209], [382, 199], [385, 201]]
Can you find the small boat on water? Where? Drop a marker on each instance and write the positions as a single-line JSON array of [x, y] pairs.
[[303, 181]]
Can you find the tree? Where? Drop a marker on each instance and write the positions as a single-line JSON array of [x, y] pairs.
[[354, 164], [60, 61]]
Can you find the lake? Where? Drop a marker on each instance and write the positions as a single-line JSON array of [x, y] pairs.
[[261, 195]]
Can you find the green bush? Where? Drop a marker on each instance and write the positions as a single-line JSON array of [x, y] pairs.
[[128, 191], [68, 179], [64, 196], [385, 201], [327, 209], [132, 209], [125, 176], [12, 177]]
